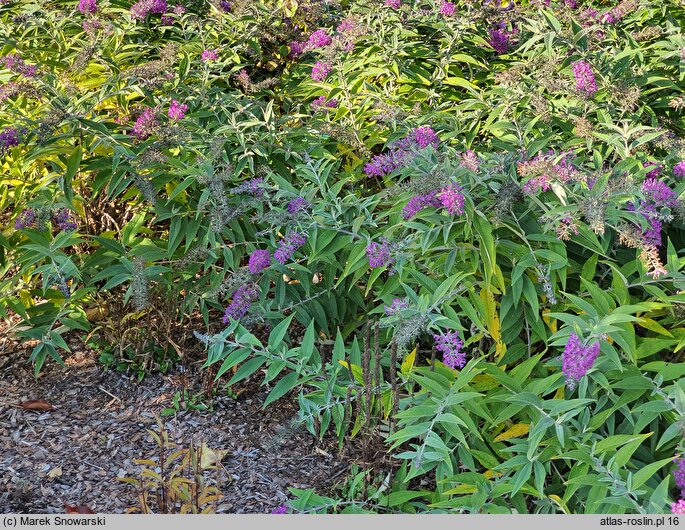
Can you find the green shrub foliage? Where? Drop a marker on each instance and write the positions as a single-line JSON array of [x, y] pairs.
[[495, 188]]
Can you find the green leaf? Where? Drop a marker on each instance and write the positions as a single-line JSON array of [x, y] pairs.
[[286, 384]]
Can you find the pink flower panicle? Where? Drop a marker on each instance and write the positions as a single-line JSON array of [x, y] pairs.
[[447, 8], [140, 10], [210, 55], [145, 124], [585, 78], [419, 202], [452, 199], [320, 103], [87, 7], [470, 161], [578, 359], [679, 169], [393, 4], [177, 111], [16, 64], [319, 39], [678, 507], [320, 71]]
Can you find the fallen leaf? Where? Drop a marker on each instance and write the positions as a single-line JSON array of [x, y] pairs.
[[211, 457], [70, 508], [55, 472], [37, 405]]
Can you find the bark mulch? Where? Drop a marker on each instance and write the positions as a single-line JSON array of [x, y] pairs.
[[74, 453]]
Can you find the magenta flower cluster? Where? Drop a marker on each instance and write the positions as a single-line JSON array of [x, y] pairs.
[[320, 103], [585, 78], [259, 260], [402, 151], [449, 344], [319, 39], [419, 202], [87, 7], [145, 124], [655, 169], [450, 197], [578, 358], [500, 38], [394, 4], [679, 169], [678, 507], [447, 8], [241, 300], [209, 55], [140, 10], [320, 70], [287, 246], [16, 64], [177, 111]]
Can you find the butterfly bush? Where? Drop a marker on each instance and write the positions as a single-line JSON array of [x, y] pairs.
[[241, 301], [177, 111], [585, 78], [320, 71], [259, 260], [447, 8], [449, 344], [88, 7], [209, 55], [578, 358], [288, 246], [379, 254], [9, 138], [679, 169]]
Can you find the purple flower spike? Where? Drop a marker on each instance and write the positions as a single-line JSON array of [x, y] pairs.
[[578, 359], [259, 260], [242, 299], [585, 78], [320, 71], [679, 169], [379, 255], [449, 344], [280, 510], [177, 111], [288, 246]]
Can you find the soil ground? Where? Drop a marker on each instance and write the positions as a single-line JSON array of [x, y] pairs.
[[75, 453]]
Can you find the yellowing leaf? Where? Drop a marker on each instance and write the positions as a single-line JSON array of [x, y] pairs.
[[484, 382], [551, 322], [513, 432], [462, 488], [211, 457], [55, 472], [490, 474], [654, 326], [408, 362], [559, 394], [492, 321], [356, 371]]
